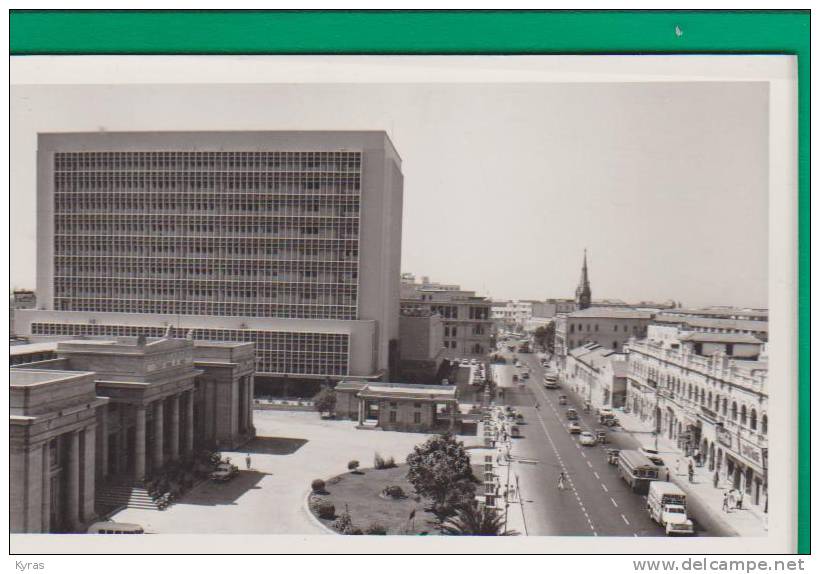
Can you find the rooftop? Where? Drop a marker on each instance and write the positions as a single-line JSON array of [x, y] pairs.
[[610, 313], [409, 391], [29, 377], [698, 337], [27, 348]]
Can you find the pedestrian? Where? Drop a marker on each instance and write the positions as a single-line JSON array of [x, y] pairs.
[[667, 475], [677, 466], [739, 500], [537, 406], [691, 472], [248, 461], [731, 500], [561, 479], [726, 502], [716, 479]]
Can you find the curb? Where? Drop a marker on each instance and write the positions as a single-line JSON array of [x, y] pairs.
[[314, 518]]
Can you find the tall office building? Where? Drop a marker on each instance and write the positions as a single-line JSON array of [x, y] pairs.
[[291, 240]]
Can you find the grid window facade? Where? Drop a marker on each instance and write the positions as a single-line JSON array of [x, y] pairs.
[[277, 352], [261, 234]]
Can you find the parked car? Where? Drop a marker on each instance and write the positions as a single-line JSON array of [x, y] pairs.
[[525, 375], [573, 428], [224, 472], [515, 432], [572, 414], [587, 439]]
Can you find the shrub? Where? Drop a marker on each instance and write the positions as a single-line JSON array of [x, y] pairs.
[[376, 529], [353, 465], [326, 510], [354, 530], [394, 491], [318, 485], [378, 461], [343, 523], [389, 462]]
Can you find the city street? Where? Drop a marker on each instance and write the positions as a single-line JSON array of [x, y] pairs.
[[596, 501]]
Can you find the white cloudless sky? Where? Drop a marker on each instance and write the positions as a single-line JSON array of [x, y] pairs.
[[665, 184]]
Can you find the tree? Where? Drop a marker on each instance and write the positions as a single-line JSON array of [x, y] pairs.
[[549, 337], [325, 401], [440, 470], [540, 336], [472, 519]]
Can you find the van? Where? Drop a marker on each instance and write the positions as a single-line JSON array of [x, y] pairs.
[[115, 528]]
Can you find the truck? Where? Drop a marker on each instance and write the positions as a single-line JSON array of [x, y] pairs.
[[666, 504]]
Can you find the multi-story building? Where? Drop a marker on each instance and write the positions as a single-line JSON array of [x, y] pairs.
[[116, 411], [289, 240], [610, 328], [468, 325], [421, 346], [708, 323], [511, 313], [20, 299], [598, 374], [706, 395], [551, 307]]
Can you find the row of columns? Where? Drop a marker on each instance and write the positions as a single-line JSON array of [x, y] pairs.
[[158, 451]]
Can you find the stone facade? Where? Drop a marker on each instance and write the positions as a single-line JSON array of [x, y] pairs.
[[714, 404], [118, 411]]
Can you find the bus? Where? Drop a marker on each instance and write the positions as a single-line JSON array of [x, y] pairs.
[[637, 470]]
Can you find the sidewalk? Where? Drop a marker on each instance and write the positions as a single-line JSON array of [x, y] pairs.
[[515, 512], [749, 521]]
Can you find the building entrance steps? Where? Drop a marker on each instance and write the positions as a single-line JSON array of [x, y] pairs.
[[118, 495], [748, 521]]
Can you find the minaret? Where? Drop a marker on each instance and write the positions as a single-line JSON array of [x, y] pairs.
[[583, 294]]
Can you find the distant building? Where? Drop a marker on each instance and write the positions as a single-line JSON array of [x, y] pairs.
[[710, 393], [31, 353], [583, 293], [115, 412], [290, 240], [610, 328], [20, 299], [721, 322], [400, 407], [421, 346], [598, 375], [551, 307], [466, 317]]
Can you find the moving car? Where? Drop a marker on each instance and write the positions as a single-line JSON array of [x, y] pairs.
[[588, 439], [115, 528], [574, 428], [652, 455], [562, 400], [515, 432], [572, 414], [525, 375]]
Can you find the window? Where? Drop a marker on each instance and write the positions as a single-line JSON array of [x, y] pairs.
[[764, 424], [734, 411], [417, 418], [417, 405], [615, 328], [753, 420], [743, 415], [393, 405], [392, 416]]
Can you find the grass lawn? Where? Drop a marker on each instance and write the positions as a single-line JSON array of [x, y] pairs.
[[361, 493]]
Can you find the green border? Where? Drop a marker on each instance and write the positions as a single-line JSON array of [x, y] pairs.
[[462, 32]]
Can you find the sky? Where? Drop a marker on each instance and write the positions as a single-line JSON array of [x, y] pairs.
[[505, 184]]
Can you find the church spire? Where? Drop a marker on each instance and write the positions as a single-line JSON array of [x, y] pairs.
[[583, 293]]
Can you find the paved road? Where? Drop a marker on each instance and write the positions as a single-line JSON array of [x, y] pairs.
[[597, 501]]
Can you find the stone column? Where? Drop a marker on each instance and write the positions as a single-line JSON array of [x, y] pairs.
[[251, 428], [89, 490], [361, 411], [139, 444], [46, 502], [103, 432], [173, 435], [34, 485], [189, 422], [72, 494], [158, 436]]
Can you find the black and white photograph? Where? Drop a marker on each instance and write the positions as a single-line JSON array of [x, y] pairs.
[[545, 300]]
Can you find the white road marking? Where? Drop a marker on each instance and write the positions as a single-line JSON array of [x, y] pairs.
[[596, 475], [615, 504], [625, 520], [589, 464], [583, 454], [604, 487]]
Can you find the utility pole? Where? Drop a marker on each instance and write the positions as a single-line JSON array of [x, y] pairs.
[[507, 489]]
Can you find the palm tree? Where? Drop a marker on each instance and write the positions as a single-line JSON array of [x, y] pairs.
[[472, 519]]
